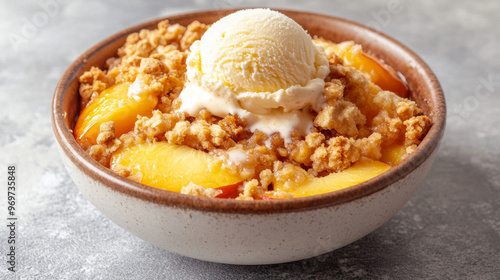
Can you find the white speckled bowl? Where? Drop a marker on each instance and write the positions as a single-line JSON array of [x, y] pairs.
[[253, 232]]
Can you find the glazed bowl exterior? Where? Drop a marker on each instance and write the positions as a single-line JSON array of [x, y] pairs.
[[253, 232]]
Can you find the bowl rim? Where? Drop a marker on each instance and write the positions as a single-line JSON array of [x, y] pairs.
[[108, 178]]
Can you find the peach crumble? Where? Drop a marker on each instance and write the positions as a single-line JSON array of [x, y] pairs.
[[132, 121]]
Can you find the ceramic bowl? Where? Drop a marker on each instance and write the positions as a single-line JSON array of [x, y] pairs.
[[253, 232]]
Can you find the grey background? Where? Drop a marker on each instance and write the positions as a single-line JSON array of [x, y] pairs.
[[450, 229]]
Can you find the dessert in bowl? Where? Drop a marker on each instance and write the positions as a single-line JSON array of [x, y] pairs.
[[249, 108], [235, 231]]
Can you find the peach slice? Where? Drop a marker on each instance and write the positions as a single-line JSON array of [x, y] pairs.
[[170, 167], [393, 154], [113, 104], [361, 171], [230, 191], [380, 73]]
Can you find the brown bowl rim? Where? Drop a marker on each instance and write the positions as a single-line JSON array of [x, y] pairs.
[[162, 197]]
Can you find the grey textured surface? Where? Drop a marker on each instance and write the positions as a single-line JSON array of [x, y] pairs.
[[450, 229]]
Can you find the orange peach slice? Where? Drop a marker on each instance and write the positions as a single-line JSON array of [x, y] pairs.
[[393, 154], [171, 167], [113, 104], [361, 171], [229, 191], [380, 74]]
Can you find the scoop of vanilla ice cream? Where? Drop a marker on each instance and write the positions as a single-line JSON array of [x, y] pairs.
[[252, 63], [265, 58], [259, 51]]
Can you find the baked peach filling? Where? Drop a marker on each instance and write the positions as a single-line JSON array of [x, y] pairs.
[[361, 171], [379, 73], [131, 122], [117, 104], [171, 167]]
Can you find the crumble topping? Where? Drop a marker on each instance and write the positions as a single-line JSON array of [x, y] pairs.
[[196, 190]]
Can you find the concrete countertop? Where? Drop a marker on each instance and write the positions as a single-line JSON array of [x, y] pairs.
[[450, 229]]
